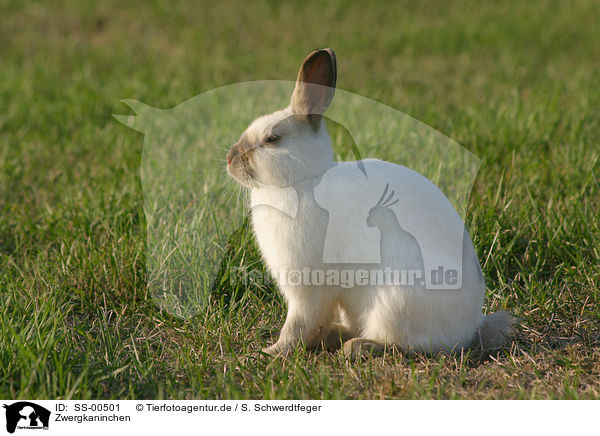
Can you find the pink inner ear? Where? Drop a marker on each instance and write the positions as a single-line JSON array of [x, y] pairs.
[[317, 69], [314, 70]]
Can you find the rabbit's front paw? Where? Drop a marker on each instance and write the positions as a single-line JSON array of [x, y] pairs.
[[278, 350], [359, 347]]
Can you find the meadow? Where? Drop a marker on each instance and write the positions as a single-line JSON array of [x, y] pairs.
[[515, 83]]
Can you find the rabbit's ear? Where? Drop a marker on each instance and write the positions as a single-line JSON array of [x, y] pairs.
[[316, 84]]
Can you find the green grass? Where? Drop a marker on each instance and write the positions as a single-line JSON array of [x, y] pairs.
[[517, 84]]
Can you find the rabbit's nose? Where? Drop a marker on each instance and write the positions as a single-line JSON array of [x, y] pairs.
[[231, 154]]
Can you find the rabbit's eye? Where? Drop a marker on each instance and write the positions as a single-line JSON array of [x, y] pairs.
[[272, 138]]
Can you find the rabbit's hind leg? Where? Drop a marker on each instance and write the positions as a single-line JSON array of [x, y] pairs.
[[338, 335]]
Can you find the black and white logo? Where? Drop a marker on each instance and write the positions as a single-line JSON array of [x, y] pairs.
[[26, 415]]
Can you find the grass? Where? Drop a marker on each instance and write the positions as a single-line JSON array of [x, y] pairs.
[[517, 84]]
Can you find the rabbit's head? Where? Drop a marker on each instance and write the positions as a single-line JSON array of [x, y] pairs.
[[290, 145]]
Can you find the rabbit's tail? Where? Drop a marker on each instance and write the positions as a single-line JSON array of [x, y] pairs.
[[494, 331]]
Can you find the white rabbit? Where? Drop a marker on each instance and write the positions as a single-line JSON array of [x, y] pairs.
[[286, 159]]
